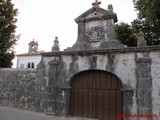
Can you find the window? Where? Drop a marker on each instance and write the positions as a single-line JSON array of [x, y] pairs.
[[32, 65], [28, 66]]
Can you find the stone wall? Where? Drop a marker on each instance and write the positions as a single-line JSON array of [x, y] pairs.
[[137, 68], [56, 70], [17, 88], [155, 75], [47, 88]]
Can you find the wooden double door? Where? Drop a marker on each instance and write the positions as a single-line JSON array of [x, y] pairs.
[[96, 94]]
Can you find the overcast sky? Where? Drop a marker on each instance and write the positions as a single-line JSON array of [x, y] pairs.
[[43, 20]]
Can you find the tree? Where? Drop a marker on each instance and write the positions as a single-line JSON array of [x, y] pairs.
[[148, 9], [7, 32], [148, 21], [125, 34]]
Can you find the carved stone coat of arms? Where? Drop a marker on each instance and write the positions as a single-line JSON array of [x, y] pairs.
[[95, 34]]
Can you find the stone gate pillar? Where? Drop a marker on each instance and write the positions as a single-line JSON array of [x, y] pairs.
[[144, 84]]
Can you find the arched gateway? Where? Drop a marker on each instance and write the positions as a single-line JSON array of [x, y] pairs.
[[96, 94]]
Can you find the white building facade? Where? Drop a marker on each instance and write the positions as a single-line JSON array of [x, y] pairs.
[[30, 59]]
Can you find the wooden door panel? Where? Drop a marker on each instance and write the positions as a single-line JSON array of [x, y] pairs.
[[99, 105], [106, 106], [85, 103], [96, 94]]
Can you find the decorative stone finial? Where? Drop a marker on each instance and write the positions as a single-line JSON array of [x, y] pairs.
[[141, 39], [96, 4], [141, 34], [55, 45], [110, 8]]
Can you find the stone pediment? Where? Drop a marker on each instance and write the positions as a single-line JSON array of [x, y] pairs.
[[96, 30], [96, 13]]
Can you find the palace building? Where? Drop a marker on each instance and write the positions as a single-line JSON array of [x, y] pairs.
[[96, 78], [30, 59]]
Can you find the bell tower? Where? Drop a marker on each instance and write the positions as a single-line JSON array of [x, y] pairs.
[[33, 47]]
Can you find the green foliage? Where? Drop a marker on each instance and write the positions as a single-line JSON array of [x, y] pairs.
[[148, 21], [7, 32], [125, 34], [151, 36], [148, 9]]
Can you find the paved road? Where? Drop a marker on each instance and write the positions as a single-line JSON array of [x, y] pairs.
[[7, 113], [16, 114]]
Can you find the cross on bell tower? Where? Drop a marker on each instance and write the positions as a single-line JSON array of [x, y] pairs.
[[96, 4]]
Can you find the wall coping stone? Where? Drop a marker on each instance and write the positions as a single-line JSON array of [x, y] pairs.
[[17, 69], [120, 50]]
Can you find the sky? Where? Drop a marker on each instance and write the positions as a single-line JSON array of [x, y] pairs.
[[43, 20]]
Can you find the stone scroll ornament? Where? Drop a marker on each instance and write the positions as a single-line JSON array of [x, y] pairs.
[[95, 34]]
